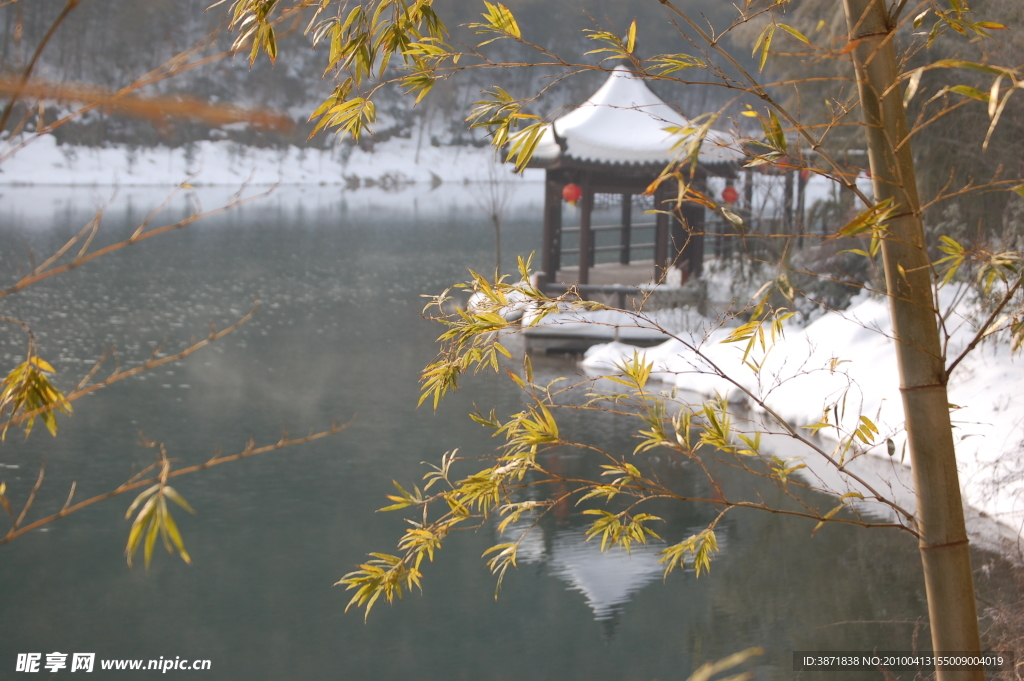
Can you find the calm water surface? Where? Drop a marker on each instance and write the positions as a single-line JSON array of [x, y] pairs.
[[338, 336]]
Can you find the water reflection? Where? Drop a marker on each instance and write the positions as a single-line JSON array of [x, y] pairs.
[[607, 580]]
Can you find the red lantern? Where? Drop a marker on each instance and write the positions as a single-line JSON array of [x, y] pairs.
[[805, 174], [730, 195], [572, 193]]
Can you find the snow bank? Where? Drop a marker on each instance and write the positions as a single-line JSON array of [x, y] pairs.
[[607, 324], [802, 376], [398, 161]]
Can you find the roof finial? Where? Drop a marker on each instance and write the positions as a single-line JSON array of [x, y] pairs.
[[559, 140]]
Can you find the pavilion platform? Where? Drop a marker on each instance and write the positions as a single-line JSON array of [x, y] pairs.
[[620, 287], [636, 273]]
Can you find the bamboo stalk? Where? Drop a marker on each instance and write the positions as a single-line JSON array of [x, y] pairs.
[[943, 536]]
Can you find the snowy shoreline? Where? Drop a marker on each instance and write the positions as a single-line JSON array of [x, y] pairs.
[[799, 382], [394, 165], [398, 162]]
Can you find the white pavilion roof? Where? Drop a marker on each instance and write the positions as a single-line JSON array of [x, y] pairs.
[[625, 122]]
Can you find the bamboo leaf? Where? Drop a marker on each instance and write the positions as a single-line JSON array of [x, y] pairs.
[[795, 33], [709, 669], [150, 541], [139, 499], [868, 220], [765, 48], [175, 537], [828, 516], [974, 66], [670, 63], [968, 91], [993, 96], [173, 495], [497, 19], [912, 84]]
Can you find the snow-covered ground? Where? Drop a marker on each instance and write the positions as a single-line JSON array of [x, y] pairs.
[[799, 381]]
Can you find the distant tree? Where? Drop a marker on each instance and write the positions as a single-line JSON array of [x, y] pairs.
[[380, 42], [492, 195]]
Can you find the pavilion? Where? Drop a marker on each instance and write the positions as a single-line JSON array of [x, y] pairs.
[[616, 144]]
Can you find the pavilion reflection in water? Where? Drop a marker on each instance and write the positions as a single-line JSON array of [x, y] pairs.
[[608, 580]]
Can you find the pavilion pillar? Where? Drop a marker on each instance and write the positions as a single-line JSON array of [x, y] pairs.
[[801, 206], [787, 203], [551, 253], [677, 239], [627, 228], [586, 258], [748, 197], [693, 256], [660, 233]]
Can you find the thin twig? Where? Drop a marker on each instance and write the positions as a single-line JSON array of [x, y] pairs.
[[32, 494], [71, 4], [135, 238], [250, 450], [983, 329], [120, 375], [71, 495]]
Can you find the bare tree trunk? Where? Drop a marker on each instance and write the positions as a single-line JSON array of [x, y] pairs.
[[944, 547]]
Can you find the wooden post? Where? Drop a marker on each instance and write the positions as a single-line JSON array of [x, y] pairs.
[[801, 202], [679, 243], [750, 246], [551, 252], [787, 204], [693, 214], [748, 197], [719, 238], [627, 228], [586, 235], [660, 234]]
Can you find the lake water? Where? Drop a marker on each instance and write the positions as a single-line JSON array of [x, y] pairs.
[[339, 336]]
